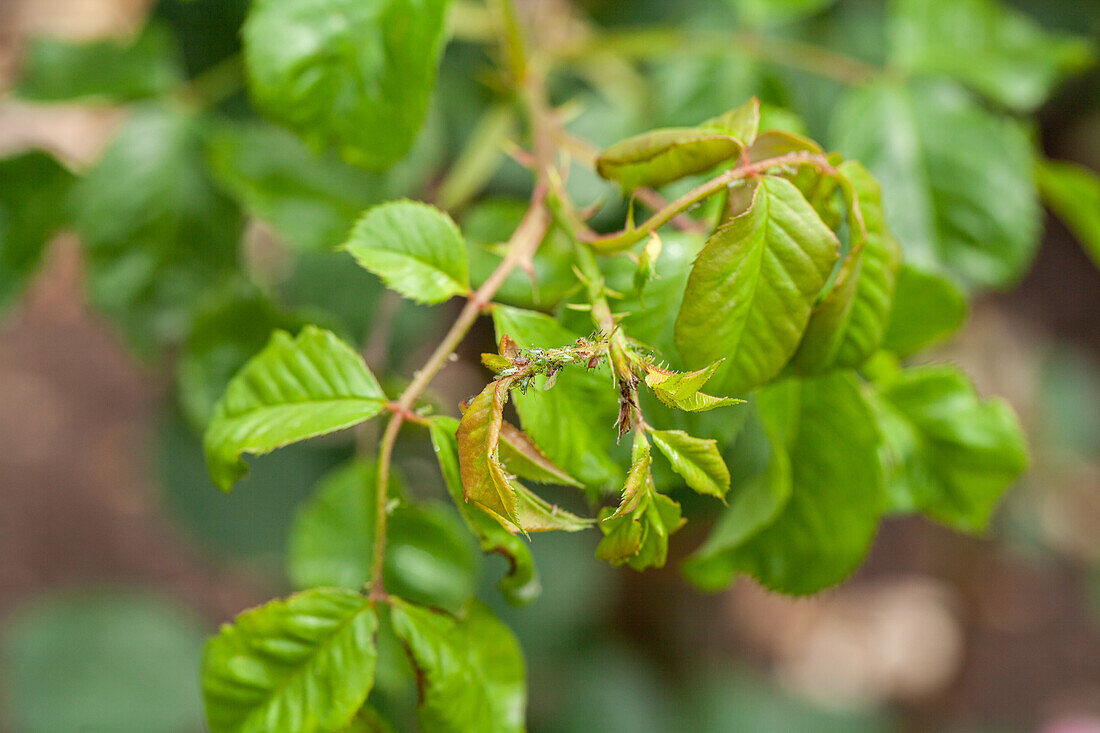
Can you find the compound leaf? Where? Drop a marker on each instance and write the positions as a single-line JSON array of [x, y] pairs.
[[415, 248], [301, 664], [296, 388], [471, 669]]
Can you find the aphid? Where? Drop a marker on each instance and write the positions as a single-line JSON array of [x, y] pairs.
[[508, 372]]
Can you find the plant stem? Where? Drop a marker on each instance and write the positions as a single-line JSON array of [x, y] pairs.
[[606, 243], [521, 248], [648, 42]]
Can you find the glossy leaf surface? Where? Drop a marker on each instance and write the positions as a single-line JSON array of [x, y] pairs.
[[471, 668], [350, 75], [302, 664], [296, 388], [415, 248], [751, 290]]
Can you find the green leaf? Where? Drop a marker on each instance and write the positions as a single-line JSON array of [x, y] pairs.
[[947, 453], [114, 659], [1073, 193], [416, 249], [741, 123], [927, 309], [521, 584], [640, 539], [836, 496], [638, 479], [227, 331], [696, 459], [296, 388], [302, 664], [573, 421], [849, 324], [774, 143], [34, 192], [680, 390], [751, 290], [428, 557], [56, 70], [157, 234], [956, 180], [987, 45], [312, 200], [661, 156], [352, 75], [471, 669], [756, 504]]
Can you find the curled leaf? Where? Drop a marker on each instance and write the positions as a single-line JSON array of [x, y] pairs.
[[634, 488], [483, 479], [661, 156], [741, 122], [521, 584], [522, 457]]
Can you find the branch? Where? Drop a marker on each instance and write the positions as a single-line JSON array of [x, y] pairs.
[[607, 243], [521, 247]]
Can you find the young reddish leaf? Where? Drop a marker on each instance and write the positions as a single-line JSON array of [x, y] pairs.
[[521, 456], [483, 479], [521, 584]]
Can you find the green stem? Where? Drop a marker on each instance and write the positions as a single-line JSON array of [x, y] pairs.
[[521, 247], [607, 243]]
